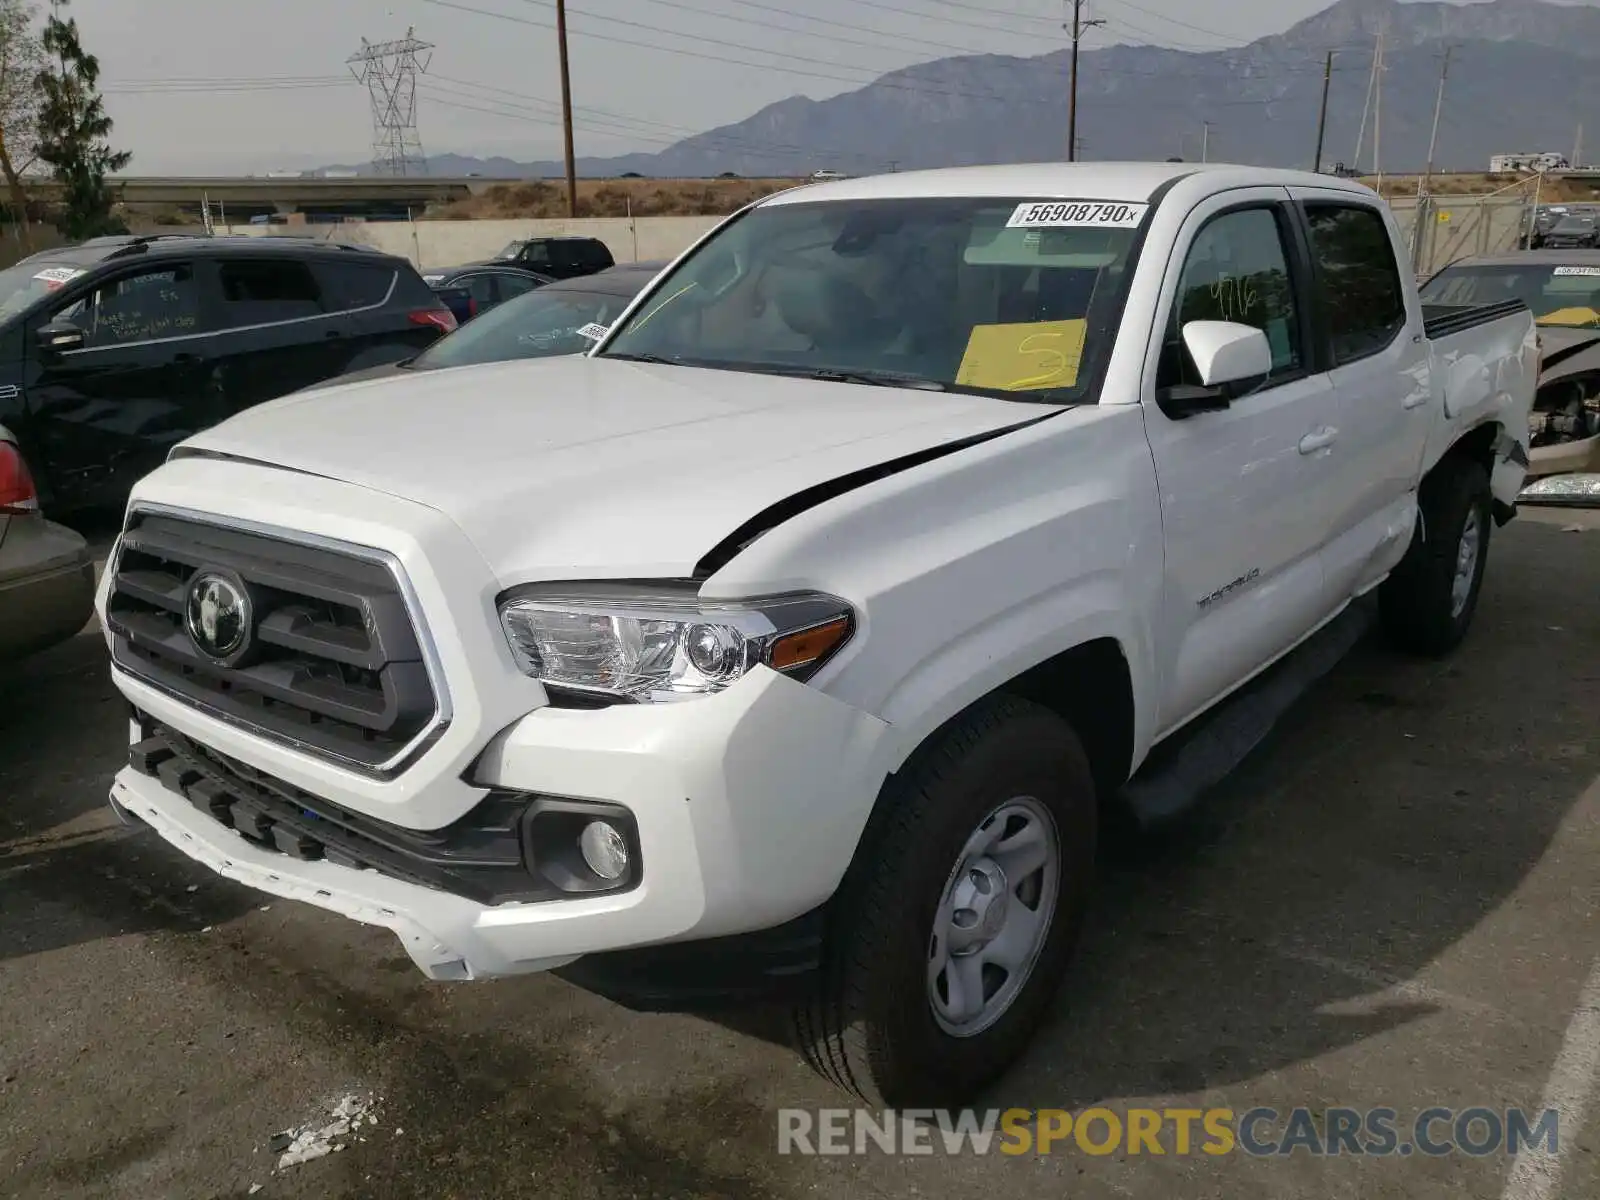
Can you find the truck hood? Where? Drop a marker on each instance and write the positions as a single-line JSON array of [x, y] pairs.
[[570, 468]]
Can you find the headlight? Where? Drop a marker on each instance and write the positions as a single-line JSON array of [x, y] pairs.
[[651, 643]]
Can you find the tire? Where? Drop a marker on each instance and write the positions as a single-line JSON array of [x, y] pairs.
[[870, 1026], [1426, 605]]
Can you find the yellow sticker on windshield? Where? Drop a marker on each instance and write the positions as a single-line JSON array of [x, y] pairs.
[[1023, 357], [1571, 316]]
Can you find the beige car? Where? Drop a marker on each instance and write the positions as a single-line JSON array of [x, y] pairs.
[[46, 570]]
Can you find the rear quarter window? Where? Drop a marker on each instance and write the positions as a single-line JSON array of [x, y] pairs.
[[260, 291], [347, 286]]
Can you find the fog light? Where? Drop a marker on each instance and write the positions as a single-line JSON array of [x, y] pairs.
[[604, 849]]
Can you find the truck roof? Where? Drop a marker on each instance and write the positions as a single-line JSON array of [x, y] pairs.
[[1089, 180]]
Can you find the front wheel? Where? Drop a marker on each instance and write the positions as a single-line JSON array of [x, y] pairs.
[[1428, 602], [950, 934]]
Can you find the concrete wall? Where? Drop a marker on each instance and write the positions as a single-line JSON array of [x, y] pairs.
[[444, 243]]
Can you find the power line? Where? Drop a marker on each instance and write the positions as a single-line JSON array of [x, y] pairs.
[[621, 125], [830, 37], [874, 75], [760, 66], [709, 41], [1229, 37]]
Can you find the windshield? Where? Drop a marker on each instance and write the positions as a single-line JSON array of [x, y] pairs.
[[1573, 224], [1557, 294], [511, 250], [989, 295], [25, 283], [533, 325]]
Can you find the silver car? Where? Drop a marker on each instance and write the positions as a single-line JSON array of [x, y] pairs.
[[46, 570]]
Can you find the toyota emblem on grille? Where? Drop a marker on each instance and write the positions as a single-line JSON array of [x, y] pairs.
[[217, 615]]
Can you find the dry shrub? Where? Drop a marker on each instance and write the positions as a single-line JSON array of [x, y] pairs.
[[544, 198]]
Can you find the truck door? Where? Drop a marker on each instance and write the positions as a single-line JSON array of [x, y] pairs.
[[1378, 362], [1243, 489]]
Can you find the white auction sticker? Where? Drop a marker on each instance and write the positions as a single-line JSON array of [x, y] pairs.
[[1077, 214], [1577, 271], [58, 274], [593, 332]]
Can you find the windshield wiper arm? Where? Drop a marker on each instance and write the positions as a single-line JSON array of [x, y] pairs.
[[922, 383], [643, 358]]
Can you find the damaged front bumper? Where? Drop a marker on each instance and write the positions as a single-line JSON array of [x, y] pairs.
[[741, 810]]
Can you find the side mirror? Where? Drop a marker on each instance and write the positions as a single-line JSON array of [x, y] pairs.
[[1226, 352], [59, 336], [1226, 355]]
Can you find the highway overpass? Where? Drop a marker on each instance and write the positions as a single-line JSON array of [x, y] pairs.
[[314, 196]]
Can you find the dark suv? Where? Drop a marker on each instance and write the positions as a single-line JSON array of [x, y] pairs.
[[114, 350], [561, 257]]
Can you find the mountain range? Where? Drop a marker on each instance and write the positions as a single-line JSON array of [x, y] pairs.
[[1522, 75]]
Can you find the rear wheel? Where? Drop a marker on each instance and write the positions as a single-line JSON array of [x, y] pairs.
[[1429, 601], [951, 932]]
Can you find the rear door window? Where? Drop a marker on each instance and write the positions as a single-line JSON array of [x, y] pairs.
[[353, 285], [479, 287], [261, 291], [515, 285], [1359, 277]]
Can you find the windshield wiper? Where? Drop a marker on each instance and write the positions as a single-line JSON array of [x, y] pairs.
[[897, 379], [869, 378]]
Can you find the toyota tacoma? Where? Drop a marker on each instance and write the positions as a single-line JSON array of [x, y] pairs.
[[800, 638]]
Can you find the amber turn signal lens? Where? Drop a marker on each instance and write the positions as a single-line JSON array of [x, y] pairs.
[[808, 645]]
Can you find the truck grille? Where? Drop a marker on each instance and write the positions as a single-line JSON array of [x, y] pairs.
[[305, 645]]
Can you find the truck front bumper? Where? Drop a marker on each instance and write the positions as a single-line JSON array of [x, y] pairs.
[[746, 807]]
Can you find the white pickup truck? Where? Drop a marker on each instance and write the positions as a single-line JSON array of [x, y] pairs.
[[798, 639]]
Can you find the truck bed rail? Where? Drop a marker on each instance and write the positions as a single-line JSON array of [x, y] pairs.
[[1442, 320]]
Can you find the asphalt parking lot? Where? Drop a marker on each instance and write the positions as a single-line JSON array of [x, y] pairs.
[[1395, 904]]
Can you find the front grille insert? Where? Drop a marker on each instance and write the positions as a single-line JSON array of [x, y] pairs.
[[480, 857], [332, 662]]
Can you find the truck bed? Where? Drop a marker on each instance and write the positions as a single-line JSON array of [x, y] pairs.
[[1442, 320]]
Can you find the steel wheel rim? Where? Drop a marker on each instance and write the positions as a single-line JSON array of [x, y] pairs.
[[993, 917], [1467, 550]]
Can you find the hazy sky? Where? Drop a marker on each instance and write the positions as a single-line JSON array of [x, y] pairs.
[[493, 85]]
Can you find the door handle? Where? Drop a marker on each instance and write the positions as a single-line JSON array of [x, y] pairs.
[[1318, 439]]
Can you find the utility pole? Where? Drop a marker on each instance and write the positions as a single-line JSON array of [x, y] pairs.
[[1577, 148], [1377, 120], [1205, 141], [1438, 107], [1422, 213], [1077, 27], [1322, 115], [390, 70], [1366, 109], [566, 109]]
